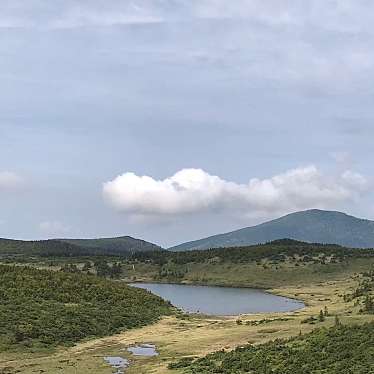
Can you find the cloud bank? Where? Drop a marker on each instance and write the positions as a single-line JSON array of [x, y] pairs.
[[196, 191]]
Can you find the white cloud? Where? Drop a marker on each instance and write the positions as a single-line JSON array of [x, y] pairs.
[[9, 181], [195, 191], [53, 228]]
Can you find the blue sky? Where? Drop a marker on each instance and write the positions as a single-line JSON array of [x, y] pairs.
[[172, 120]]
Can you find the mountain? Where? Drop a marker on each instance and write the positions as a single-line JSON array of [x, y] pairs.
[[76, 247], [115, 245], [40, 247], [314, 226]]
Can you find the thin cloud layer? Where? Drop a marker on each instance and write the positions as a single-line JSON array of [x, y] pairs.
[[195, 191], [239, 86], [348, 15], [53, 228], [9, 181]]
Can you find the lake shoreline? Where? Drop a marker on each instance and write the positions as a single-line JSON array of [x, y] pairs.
[[221, 301], [272, 291]]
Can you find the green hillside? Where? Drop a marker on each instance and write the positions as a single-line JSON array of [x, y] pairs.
[[331, 351], [114, 245], [76, 247], [282, 262], [41, 308], [314, 226], [41, 248]]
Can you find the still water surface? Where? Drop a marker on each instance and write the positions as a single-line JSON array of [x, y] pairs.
[[221, 300], [148, 350]]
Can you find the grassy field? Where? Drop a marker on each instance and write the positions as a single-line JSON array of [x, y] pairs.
[[177, 337], [264, 275], [280, 263]]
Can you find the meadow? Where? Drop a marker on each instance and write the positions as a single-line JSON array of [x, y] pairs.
[[337, 284]]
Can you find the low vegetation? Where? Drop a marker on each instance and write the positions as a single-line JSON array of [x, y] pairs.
[[279, 263], [121, 246], [100, 267], [19, 248], [338, 350], [84, 297], [41, 309], [277, 251], [363, 293], [118, 245]]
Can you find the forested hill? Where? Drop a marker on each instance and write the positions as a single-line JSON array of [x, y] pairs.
[[118, 245], [46, 308], [277, 250], [76, 247], [314, 226], [41, 248]]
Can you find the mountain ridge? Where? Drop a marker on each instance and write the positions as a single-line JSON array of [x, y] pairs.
[[115, 244], [75, 247], [312, 226]]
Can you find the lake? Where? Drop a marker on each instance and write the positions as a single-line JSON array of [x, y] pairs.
[[220, 300]]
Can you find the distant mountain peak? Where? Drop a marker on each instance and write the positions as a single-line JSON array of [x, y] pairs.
[[313, 226]]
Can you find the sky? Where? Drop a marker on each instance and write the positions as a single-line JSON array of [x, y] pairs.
[[172, 120]]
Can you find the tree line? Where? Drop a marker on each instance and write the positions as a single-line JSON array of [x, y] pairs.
[[277, 251]]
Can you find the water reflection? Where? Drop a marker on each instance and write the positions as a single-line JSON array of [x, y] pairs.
[[221, 300], [119, 363], [143, 350]]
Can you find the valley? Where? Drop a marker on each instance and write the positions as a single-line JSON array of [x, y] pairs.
[[331, 280], [182, 336]]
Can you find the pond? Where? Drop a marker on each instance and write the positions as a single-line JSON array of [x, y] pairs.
[[118, 363], [148, 350], [221, 300]]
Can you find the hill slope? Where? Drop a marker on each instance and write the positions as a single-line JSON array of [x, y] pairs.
[[315, 226], [341, 349], [115, 245], [40, 247], [45, 308], [76, 247], [280, 263]]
